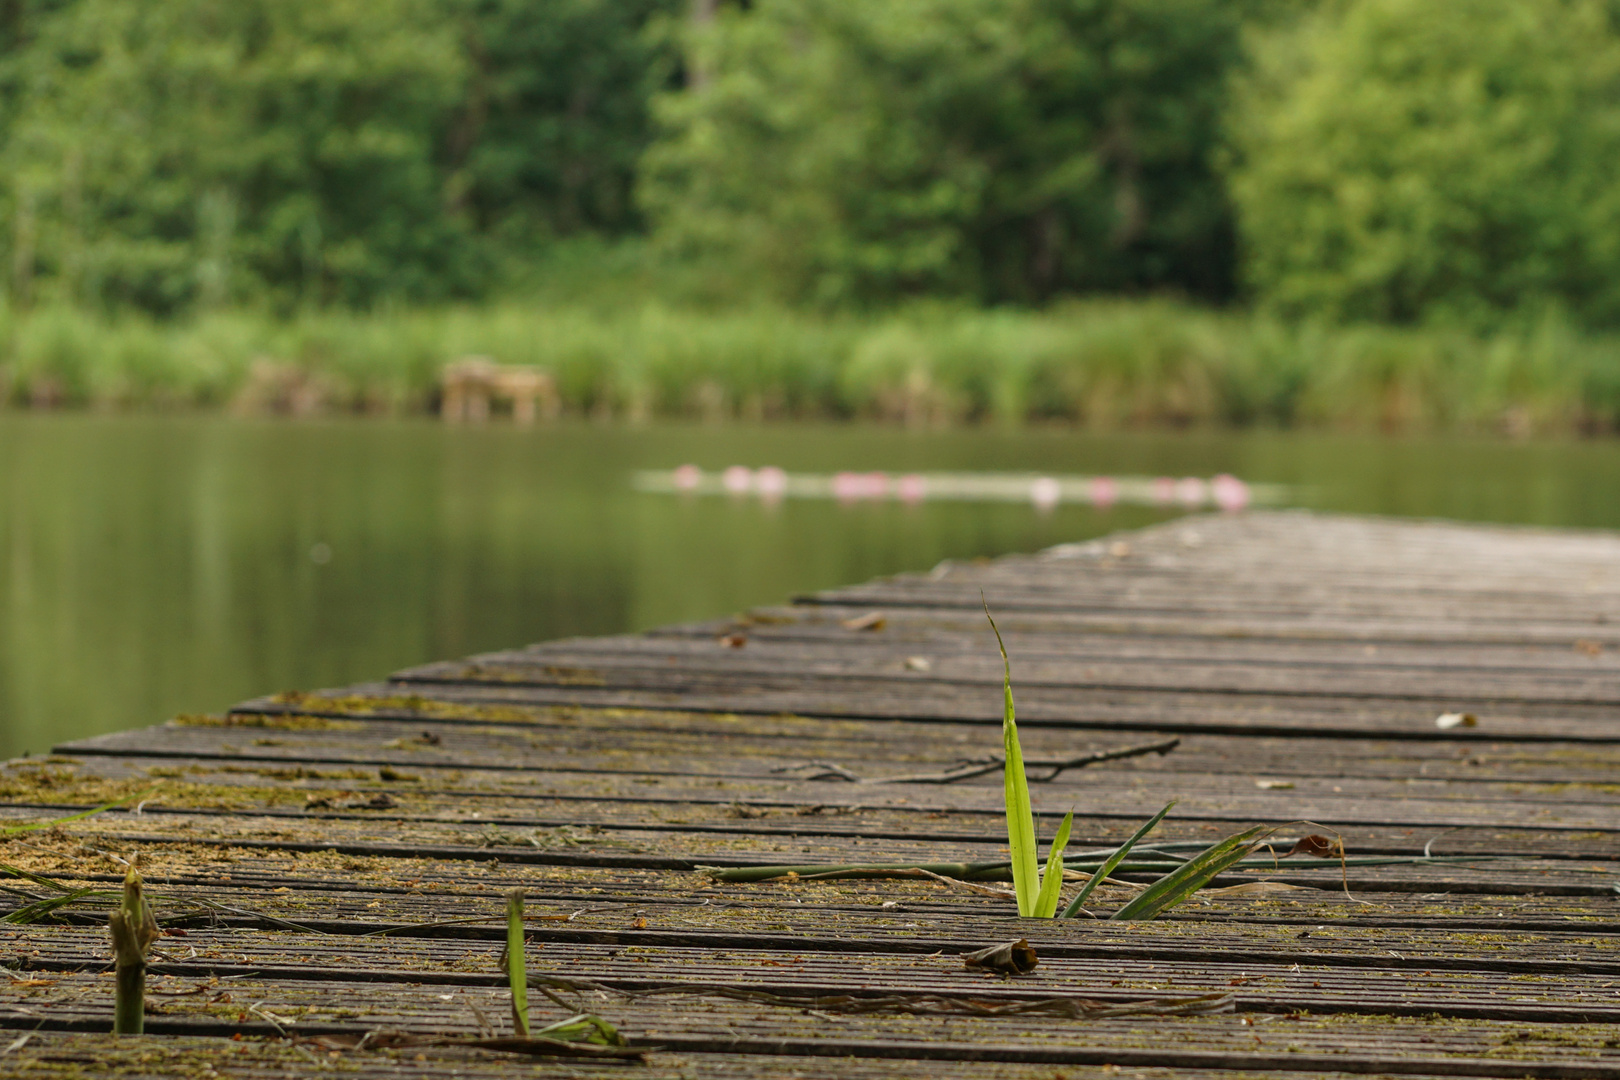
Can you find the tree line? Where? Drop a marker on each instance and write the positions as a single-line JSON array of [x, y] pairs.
[[1400, 161]]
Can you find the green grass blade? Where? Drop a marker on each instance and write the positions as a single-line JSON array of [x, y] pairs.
[[1052, 881], [516, 971], [1020, 818], [80, 816], [39, 909], [1114, 860], [586, 1027], [1191, 876], [1139, 861], [7, 868], [967, 871]]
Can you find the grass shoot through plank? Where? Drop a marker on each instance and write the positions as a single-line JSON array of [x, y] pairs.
[[1035, 898], [133, 930], [516, 970]]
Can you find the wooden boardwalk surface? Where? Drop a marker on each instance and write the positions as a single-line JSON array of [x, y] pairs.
[[1301, 660]]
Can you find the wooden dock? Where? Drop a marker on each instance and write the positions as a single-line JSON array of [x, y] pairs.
[[335, 863]]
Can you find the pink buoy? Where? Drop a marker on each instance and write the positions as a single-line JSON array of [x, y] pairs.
[[687, 477], [1231, 494], [1045, 493], [1191, 492], [737, 480], [911, 488], [770, 482], [846, 487], [1103, 492], [1164, 491]]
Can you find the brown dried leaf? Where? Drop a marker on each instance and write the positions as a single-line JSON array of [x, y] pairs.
[[872, 620], [733, 641], [1321, 846], [1009, 958]]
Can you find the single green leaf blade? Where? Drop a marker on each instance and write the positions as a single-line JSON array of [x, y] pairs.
[[7, 868], [39, 909], [516, 970], [1114, 860], [1052, 881], [585, 1027], [1020, 822], [1020, 817], [1191, 876]]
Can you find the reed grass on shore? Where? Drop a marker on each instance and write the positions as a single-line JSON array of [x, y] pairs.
[[1099, 363]]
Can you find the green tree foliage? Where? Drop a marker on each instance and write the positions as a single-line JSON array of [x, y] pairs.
[[175, 152], [556, 114], [195, 148], [1413, 160], [1393, 160], [1000, 149]]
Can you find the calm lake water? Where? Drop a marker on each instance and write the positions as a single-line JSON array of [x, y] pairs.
[[154, 565]]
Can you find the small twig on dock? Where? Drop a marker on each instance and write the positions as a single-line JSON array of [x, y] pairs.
[[921, 1004], [511, 1044], [968, 768], [954, 883]]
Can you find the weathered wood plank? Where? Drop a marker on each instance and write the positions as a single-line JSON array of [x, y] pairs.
[[1428, 805], [1120, 708], [1549, 991], [1085, 710], [1546, 770], [51, 1055], [1275, 928], [265, 856], [202, 1004], [828, 616], [651, 666], [904, 636], [494, 758]]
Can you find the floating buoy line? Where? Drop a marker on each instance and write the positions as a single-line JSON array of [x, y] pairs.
[[1043, 491]]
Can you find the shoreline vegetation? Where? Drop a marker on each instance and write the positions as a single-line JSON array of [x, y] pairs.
[[1378, 215], [1096, 363]]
